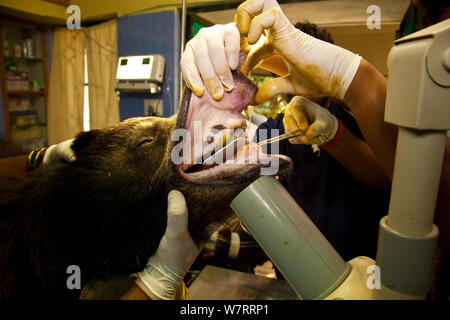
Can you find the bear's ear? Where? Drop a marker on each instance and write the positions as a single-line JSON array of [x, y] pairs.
[[83, 140]]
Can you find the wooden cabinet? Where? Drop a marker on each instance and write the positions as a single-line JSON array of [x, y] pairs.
[[24, 81]]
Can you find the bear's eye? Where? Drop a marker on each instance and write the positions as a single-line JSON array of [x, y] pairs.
[[145, 141]]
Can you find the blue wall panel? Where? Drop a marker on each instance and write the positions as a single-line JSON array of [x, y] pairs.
[[152, 33]]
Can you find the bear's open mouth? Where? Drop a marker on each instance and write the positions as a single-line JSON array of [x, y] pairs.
[[210, 125], [245, 162]]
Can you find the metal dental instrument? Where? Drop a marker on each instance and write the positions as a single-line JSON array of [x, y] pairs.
[[285, 136], [227, 152], [231, 148]]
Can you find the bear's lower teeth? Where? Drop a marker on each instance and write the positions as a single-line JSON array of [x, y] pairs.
[[229, 137]]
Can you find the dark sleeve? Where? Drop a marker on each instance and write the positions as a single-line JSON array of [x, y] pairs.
[[269, 129], [347, 119]]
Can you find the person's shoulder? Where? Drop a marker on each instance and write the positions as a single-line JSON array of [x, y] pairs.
[[271, 123], [272, 127]]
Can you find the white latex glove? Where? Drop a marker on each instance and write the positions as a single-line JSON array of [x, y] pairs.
[[316, 68], [60, 151], [319, 125], [209, 58], [175, 254]]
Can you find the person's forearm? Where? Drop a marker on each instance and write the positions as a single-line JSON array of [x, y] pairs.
[[357, 157], [366, 98]]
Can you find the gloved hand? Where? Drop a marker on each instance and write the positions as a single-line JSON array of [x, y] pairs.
[[319, 125], [316, 68], [209, 58], [60, 151], [175, 254]]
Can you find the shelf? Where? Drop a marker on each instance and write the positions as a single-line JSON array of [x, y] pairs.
[[22, 92], [14, 30], [22, 59]]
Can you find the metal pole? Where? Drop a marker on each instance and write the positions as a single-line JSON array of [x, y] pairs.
[[183, 36], [415, 185]]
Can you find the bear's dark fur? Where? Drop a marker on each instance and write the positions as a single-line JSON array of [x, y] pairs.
[[105, 212]]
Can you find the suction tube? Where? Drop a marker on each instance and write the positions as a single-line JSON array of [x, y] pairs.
[[298, 249]]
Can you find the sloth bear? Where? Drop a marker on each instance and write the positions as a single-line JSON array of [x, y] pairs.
[[106, 211]]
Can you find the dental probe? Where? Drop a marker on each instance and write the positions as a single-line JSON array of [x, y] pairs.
[[281, 137], [231, 148]]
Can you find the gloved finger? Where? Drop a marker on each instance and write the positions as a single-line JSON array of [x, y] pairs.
[[206, 68], [311, 109], [255, 56], [216, 49], [232, 41], [290, 125], [177, 215], [191, 74], [272, 18], [300, 140], [273, 87], [242, 19], [247, 10], [244, 50], [315, 130], [297, 109]]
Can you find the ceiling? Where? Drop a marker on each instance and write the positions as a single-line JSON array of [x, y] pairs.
[[346, 21], [327, 12]]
